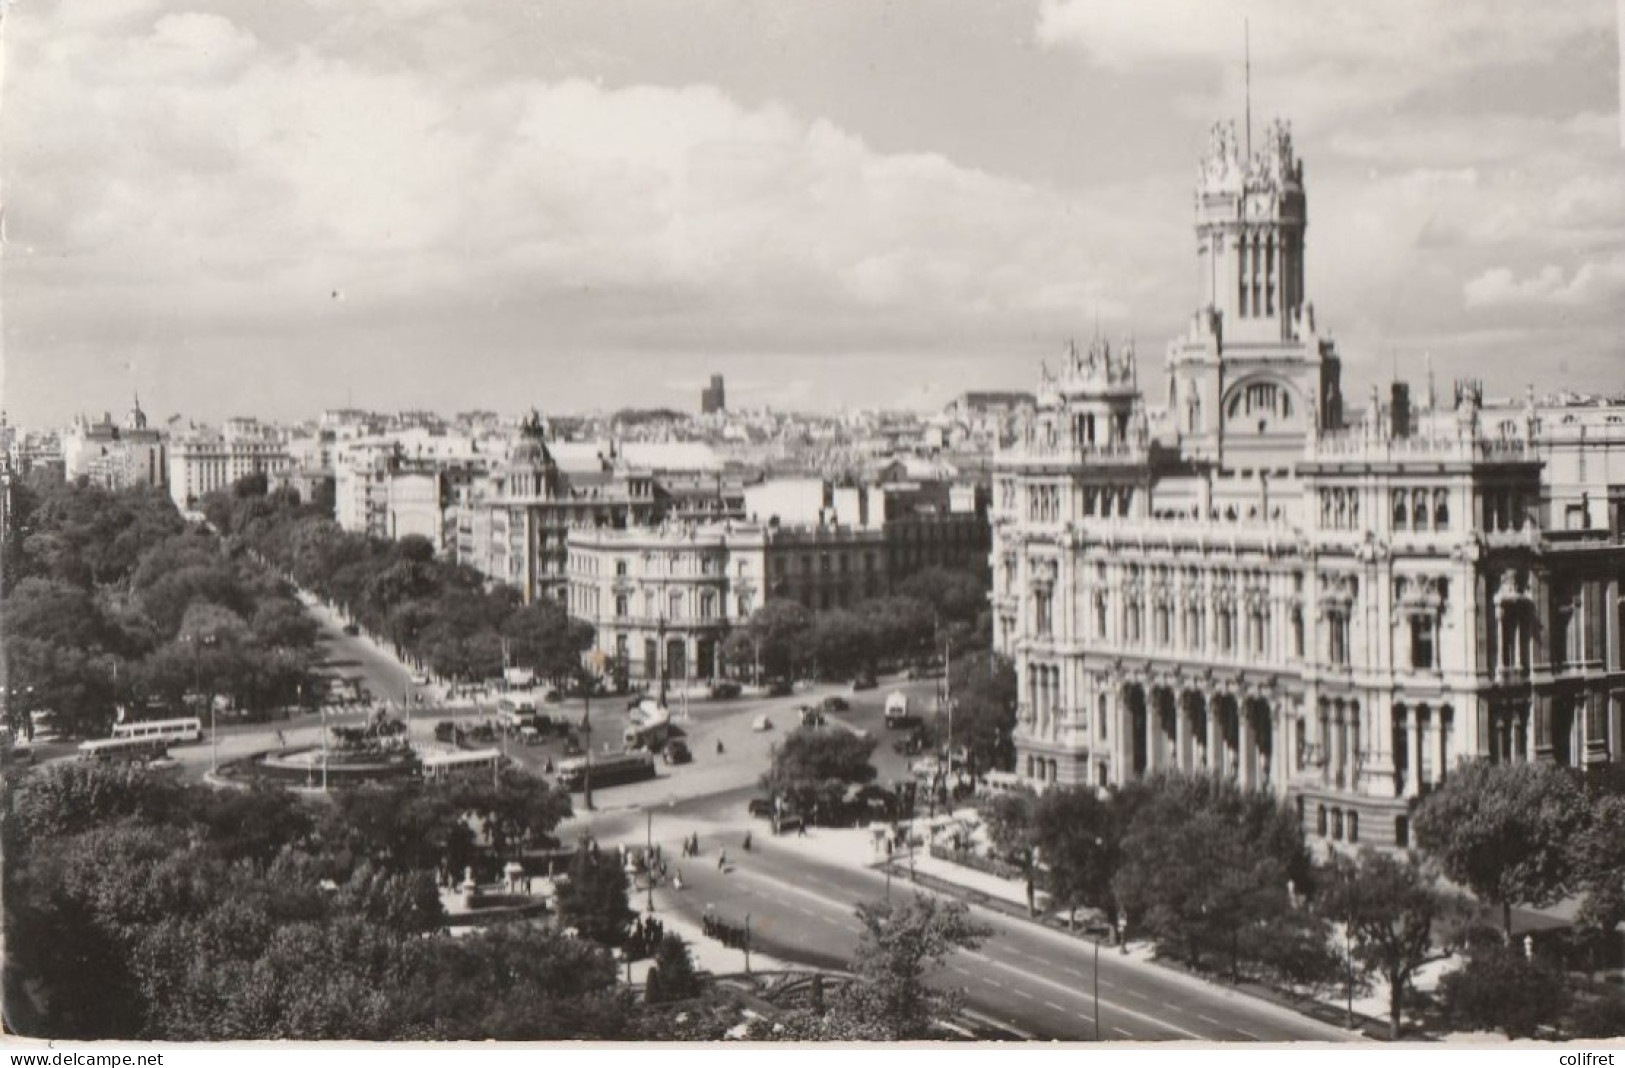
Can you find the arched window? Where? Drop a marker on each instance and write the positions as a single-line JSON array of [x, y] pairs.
[[1399, 510], [1441, 510]]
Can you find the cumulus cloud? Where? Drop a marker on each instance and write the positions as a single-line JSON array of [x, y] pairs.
[[1595, 281], [195, 180]]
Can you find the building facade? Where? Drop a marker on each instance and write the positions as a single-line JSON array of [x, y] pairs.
[[115, 455], [203, 461], [1244, 582], [515, 524]]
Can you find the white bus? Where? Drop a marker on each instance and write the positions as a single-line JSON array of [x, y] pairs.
[[170, 730], [115, 750], [462, 762]]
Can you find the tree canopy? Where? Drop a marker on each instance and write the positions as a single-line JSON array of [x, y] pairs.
[[1504, 831]]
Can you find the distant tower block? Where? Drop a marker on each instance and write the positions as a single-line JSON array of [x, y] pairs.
[[712, 398]]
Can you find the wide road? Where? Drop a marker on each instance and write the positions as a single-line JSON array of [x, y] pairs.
[[1037, 982]]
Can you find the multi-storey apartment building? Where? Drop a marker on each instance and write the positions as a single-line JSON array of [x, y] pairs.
[[115, 455], [203, 461], [515, 524], [1244, 582]]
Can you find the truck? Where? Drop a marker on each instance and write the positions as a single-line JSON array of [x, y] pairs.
[[897, 714]]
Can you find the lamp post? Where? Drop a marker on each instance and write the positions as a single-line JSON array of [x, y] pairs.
[[649, 856], [747, 943], [1097, 989], [660, 647], [586, 734]]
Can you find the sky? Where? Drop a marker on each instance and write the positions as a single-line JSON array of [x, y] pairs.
[[271, 209]]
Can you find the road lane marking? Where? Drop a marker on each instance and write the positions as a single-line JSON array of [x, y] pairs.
[[1020, 993], [1249, 1034], [1122, 1032], [1070, 992], [1209, 1019], [1054, 1006]]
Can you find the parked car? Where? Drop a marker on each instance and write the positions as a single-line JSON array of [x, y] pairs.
[[780, 688], [865, 681], [352, 630], [811, 717], [676, 752], [836, 703], [724, 691], [761, 723], [445, 731], [761, 807]]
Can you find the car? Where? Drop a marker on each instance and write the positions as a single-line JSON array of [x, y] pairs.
[[865, 681], [761, 807], [724, 691], [835, 703], [761, 723], [676, 752], [811, 717], [352, 630], [780, 688]]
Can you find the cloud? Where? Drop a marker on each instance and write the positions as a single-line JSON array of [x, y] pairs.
[[1332, 60], [1593, 282], [254, 179]]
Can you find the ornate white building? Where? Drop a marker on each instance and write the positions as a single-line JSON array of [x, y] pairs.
[[1245, 582]]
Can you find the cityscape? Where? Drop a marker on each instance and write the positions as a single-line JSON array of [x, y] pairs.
[[1125, 656]]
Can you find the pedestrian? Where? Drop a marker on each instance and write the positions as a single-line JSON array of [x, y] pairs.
[[677, 880], [801, 828], [719, 747], [722, 860], [747, 841]]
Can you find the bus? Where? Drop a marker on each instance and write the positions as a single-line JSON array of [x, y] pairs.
[[118, 750], [462, 762], [170, 730], [649, 728], [610, 770]]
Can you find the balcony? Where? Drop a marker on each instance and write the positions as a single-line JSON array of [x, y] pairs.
[[1359, 447], [1071, 453]]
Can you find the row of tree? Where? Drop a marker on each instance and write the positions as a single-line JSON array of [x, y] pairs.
[[138, 907], [111, 599], [930, 611], [439, 614], [1222, 879]]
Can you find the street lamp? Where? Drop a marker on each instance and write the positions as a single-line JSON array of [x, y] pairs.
[[649, 856]]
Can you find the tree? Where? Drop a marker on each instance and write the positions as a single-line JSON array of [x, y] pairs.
[[518, 812], [672, 976], [781, 631], [1079, 838], [1205, 866], [1504, 832], [594, 898], [953, 595], [1501, 989], [1388, 905], [900, 946], [812, 768], [1598, 860], [983, 688], [1010, 819]]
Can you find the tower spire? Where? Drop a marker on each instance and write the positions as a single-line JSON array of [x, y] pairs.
[[1247, 50]]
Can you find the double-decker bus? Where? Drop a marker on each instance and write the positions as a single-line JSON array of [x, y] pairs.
[[611, 770], [117, 750], [189, 729]]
